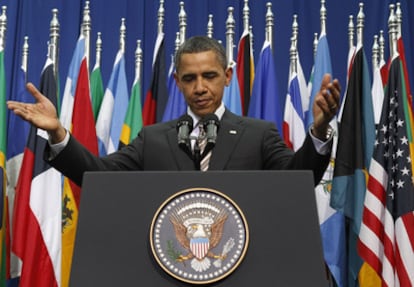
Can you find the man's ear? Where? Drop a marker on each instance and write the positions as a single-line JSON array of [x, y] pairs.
[[229, 75], [177, 81]]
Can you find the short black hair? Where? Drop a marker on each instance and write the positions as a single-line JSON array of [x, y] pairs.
[[197, 44]]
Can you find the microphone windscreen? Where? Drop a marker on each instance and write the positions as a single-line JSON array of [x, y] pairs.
[[210, 119], [185, 120]]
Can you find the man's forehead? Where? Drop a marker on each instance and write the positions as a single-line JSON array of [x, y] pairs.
[[196, 62]]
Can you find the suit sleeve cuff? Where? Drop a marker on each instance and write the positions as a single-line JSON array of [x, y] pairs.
[[55, 149], [322, 147]]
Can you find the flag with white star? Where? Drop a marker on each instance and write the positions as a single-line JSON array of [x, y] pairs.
[[386, 239]]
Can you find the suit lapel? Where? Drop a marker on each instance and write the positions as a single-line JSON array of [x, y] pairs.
[[228, 136], [183, 161]]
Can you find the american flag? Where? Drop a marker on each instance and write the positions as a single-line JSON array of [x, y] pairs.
[[386, 238]]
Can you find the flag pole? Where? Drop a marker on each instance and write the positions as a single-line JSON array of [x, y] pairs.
[[323, 15], [246, 15], [375, 53], [161, 13], [138, 61], [392, 31], [3, 27], [360, 25], [98, 50], [122, 35], [269, 24], [398, 15], [210, 26], [315, 44], [54, 41], [86, 30], [230, 25], [351, 32], [25, 54], [182, 20]]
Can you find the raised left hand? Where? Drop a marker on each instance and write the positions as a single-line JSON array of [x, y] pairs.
[[325, 106]]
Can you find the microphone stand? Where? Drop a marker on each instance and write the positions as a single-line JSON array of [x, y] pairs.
[[197, 155]]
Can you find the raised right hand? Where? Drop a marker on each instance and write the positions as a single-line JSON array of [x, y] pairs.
[[41, 114]]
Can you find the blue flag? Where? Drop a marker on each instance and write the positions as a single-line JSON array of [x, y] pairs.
[[355, 145], [176, 105], [332, 222], [113, 108], [322, 66], [265, 101], [18, 131], [70, 85], [232, 98]]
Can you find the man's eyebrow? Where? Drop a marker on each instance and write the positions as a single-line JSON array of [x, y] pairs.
[[187, 75]]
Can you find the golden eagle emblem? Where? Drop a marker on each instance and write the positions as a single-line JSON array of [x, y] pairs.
[[199, 236], [199, 232]]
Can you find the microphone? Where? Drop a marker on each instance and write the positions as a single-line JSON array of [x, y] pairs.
[[211, 125], [184, 128]]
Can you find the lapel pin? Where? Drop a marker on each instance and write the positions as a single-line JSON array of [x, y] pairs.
[[233, 132]]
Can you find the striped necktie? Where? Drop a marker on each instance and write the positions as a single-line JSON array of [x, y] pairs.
[[202, 142]]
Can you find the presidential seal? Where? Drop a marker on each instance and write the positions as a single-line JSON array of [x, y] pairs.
[[199, 236]]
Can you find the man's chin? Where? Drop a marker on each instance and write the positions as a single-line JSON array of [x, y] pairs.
[[203, 112]]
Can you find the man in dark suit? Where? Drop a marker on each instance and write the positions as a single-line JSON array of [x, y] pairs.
[[242, 143]]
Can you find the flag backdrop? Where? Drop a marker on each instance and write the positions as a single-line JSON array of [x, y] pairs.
[[17, 132], [245, 70], [332, 222], [401, 51], [386, 239], [304, 90], [157, 95], [322, 66], [4, 249], [176, 105], [355, 145], [133, 119], [97, 90], [377, 92], [21, 14], [113, 108], [83, 129], [293, 120], [265, 101], [70, 85], [231, 97], [38, 209]]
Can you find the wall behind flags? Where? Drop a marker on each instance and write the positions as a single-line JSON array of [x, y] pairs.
[[32, 18]]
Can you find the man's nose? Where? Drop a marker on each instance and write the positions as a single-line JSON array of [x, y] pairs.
[[200, 88]]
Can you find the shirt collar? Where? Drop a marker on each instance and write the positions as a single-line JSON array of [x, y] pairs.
[[219, 113]]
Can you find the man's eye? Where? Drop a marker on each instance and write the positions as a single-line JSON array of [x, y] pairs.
[[210, 75], [187, 79]]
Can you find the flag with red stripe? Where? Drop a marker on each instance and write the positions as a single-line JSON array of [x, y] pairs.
[[83, 129], [386, 238], [37, 212], [245, 70], [157, 95], [354, 149], [293, 125], [4, 233]]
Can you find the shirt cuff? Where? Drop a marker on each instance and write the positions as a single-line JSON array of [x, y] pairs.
[[55, 149], [322, 147]]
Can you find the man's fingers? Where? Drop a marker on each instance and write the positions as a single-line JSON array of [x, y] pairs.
[[34, 92], [325, 81]]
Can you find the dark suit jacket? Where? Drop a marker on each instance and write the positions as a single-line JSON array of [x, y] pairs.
[[242, 144]]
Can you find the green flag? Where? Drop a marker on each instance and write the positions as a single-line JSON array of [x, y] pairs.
[[3, 199], [133, 119], [97, 90]]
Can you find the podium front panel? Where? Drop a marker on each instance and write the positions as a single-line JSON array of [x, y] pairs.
[[112, 242]]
